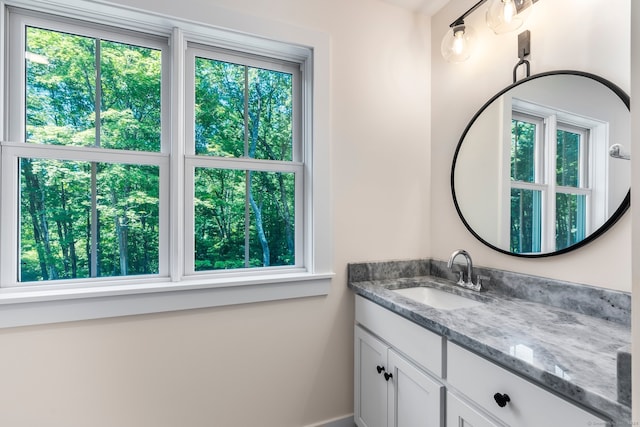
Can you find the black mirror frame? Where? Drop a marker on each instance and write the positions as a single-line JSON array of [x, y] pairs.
[[624, 206]]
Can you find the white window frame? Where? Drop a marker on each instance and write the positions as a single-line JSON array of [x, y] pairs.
[[14, 147], [594, 133], [172, 289], [193, 161]]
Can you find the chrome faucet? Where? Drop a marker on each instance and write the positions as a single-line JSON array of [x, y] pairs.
[[469, 283]]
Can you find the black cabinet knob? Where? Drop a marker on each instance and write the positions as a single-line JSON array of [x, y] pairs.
[[380, 369], [387, 376], [502, 399]]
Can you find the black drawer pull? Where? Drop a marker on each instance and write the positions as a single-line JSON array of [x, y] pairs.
[[502, 399], [380, 369]]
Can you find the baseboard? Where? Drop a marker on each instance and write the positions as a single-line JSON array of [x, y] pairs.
[[336, 422]]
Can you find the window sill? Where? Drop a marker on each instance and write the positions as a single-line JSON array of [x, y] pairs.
[[35, 306]]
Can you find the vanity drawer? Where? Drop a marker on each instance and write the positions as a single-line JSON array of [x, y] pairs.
[[528, 406], [419, 344]]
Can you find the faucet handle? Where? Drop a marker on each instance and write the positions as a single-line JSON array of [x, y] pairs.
[[461, 281], [482, 280]]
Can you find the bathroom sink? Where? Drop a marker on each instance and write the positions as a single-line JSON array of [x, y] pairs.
[[437, 298]]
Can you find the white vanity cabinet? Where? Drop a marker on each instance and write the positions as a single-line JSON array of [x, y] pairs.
[[370, 386], [390, 390], [506, 396], [400, 381]]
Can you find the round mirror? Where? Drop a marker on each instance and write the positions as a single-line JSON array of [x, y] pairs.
[[544, 167]]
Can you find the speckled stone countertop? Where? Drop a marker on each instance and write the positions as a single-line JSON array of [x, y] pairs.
[[546, 339]]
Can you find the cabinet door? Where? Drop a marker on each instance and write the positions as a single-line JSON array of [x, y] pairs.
[[415, 400], [459, 414], [370, 405]]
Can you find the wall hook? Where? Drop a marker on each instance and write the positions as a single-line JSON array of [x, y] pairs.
[[524, 50]]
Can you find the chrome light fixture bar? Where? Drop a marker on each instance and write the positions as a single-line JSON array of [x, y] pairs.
[[502, 16]]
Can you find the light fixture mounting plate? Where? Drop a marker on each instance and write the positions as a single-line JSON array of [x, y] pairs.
[[524, 44]]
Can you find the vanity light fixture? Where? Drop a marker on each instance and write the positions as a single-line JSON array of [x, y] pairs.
[[507, 15], [502, 16], [457, 44]]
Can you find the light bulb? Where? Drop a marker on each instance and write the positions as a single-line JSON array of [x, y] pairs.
[[508, 10], [507, 15], [457, 43]]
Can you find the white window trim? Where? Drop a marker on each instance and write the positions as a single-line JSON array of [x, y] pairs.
[[32, 305]]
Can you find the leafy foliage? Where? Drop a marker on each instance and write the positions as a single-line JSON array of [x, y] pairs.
[[82, 219]]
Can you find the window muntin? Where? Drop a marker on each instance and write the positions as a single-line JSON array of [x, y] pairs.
[[247, 163]]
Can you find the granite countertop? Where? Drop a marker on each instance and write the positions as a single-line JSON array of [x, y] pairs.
[[572, 354]]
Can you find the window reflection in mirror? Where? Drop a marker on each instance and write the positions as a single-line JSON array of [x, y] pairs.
[[532, 175], [563, 218]]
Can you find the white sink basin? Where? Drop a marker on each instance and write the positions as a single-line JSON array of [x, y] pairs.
[[437, 298]]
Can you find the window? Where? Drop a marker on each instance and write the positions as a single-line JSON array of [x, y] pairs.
[[245, 164], [85, 213], [133, 167], [551, 191]]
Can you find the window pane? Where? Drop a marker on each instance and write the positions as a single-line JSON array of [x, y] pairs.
[[128, 219], [270, 115], [570, 219], [60, 89], [61, 75], [525, 221], [58, 237], [130, 116], [272, 218], [227, 127], [219, 121], [219, 219], [568, 158], [54, 219], [236, 228], [523, 144]]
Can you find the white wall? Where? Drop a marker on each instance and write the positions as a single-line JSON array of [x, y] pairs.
[[588, 36], [274, 364], [479, 181]]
